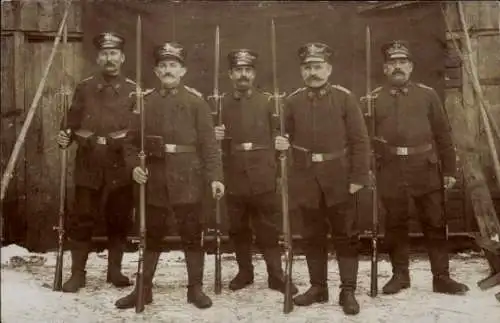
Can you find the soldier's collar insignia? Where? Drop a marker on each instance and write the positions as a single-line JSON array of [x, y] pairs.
[[166, 91], [240, 94], [398, 90], [319, 92]]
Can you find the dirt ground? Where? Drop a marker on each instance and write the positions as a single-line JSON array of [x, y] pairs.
[[27, 296]]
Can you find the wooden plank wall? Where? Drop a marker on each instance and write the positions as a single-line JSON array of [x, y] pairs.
[[30, 27], [28, 30], [483, 18]]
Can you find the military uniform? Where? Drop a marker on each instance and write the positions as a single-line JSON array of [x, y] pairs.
[[414, 149], [330, 149], [250, 172], [98, 120], [182, 154]]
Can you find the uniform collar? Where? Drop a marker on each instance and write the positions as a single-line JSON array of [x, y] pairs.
[[398, 90], [164, 91], [319, 92], [114, 82], [242, 94]]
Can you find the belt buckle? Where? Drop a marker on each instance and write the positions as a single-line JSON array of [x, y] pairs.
[[402, 151], [170, 148], [317, 158], [247, 146], [101, 140]]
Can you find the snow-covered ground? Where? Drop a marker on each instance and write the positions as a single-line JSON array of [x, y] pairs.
[[26, 294]]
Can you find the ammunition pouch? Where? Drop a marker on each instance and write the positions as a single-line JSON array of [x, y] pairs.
[[154, 146], [116, 139], [379, 147], [302, 157], [84, 138]]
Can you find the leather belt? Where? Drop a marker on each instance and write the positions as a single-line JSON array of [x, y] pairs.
[[173, 149], [406, 151], [248, 146], [321, 157], [100, 140]]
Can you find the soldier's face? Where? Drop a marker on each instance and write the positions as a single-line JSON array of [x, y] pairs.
[[242, 76], [170, 72], [398, 70], [315, 74], [110, 60]]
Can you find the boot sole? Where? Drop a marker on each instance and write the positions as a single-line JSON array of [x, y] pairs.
[[395, 292], [71, 290], [319, 301], [461, 292], [197, 306], [126, 307]]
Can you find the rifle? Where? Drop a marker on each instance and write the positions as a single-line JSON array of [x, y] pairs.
[[139, 305], [217, 97], [373, 166], [64, 97], [287, 234]]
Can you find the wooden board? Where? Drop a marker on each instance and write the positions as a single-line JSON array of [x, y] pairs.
[[482, 15], [43, 155], [9, 110]]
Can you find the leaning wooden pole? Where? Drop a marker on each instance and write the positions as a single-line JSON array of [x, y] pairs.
[[8, 173]]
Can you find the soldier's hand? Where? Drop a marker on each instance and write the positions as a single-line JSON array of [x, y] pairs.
[[139, 175], [64, 138], [281, 143], [217, 189], [353, 188], [220, 132], [449, 182]]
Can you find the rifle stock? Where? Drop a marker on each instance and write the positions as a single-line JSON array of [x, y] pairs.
[[287, 234], [139, 306], [373, 166], [218, 256], [64, 101]]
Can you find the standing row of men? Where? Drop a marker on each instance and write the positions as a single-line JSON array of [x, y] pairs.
[[328, 143]]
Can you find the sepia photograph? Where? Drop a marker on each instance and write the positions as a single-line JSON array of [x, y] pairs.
[[250, 161]]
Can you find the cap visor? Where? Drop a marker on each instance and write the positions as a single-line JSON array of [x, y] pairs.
[[242, 63], [169, 58], [313, 60], [395, 56]]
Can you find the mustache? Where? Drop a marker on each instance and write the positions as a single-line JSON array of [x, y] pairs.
[[110, 64], [167, 75], [314, 78], [244, 78], [398, 72]]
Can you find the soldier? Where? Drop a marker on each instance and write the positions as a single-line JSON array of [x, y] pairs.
[[250, 171], [415, 150], [330, 150], [182, 154], [98, 121]]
